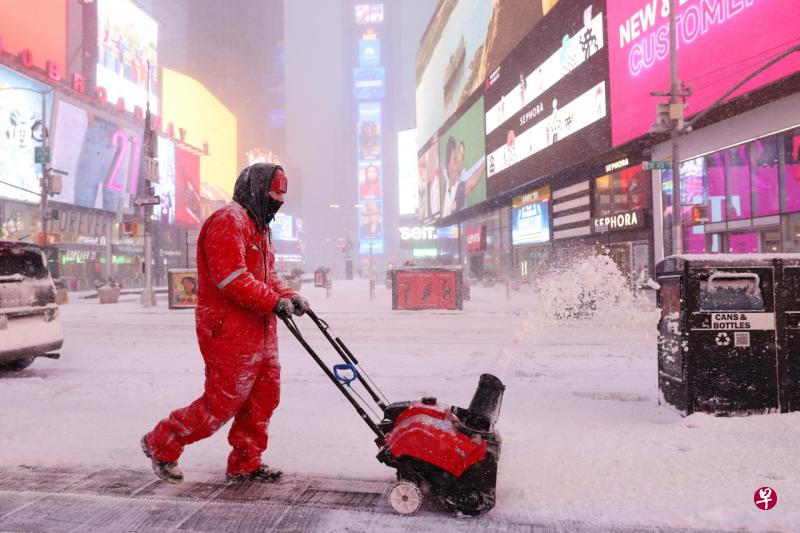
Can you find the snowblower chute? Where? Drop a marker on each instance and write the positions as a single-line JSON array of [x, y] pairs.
[[451, 450]]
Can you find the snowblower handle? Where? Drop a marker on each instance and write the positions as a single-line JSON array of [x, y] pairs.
[[291, 326], [346, 356], [347, 380]]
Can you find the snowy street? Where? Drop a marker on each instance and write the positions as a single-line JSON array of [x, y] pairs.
[[586, 447]]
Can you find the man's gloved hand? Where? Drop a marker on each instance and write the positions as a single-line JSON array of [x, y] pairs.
[[300, 305], [283, 308]]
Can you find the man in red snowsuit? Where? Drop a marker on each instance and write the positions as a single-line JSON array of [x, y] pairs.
[[239, 297]]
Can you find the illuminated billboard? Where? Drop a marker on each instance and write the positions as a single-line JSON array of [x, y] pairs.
[[370, 228], [639, 53], [462, 162], [36, 25], [165, 187], [464, 42], [127, 40], [282, 227], [20, 134], [406, 172], [428, 186], [369, 52], [100, 155], [369, 83], [369, 13], [530, 218], [369, 131], [546, 104], [187, 187], [183, 96]]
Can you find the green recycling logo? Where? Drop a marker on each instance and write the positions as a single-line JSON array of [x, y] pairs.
[[723, 339]]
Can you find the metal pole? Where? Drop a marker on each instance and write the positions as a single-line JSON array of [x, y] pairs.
[[148, 296], [45, 169], [675, 90]]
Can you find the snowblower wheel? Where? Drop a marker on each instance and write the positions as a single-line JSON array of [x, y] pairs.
[[405, 497]]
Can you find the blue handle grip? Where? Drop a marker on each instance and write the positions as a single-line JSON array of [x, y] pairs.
[[345, 379]]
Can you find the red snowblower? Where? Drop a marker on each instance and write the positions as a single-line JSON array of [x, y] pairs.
[[446, 451]]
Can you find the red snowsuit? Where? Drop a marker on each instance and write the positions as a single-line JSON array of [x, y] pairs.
[[236, 331]]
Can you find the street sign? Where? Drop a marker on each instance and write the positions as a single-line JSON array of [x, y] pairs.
[[146, 200], [41, 154], [656, 165]]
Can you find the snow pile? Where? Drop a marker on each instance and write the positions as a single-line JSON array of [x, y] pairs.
[[589, 291]]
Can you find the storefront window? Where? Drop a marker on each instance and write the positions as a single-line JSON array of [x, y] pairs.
[[626, 190], [764, 159], [738, 167], [743, 243], [694, 239], [791, 174], [790, 233], [715, 177]]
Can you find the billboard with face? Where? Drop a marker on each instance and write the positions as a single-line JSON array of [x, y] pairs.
[[101, 158], [464, 42], [546, 104], [639, 53], [463, 162], [127, 40], [187, 187], [20, 134]]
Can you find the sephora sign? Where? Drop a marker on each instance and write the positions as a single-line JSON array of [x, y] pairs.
[[719, 42]]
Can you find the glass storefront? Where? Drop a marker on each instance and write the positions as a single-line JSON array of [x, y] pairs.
[[741, 199], [494, 261]]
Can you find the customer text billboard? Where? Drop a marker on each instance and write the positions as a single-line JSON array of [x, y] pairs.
[[546, 104], [719, 43]]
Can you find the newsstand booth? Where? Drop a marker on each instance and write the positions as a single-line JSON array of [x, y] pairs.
[[427, 288], [729, 333]]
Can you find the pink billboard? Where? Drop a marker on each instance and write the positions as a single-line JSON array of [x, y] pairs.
[[719, 42]]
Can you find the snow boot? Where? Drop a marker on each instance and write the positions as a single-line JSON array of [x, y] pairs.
[[166, 471], [262, 474]]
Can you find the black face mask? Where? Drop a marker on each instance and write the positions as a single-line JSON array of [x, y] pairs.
[[272, 207]]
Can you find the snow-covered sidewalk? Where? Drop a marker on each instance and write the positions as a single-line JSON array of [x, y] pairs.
[[584, 437]]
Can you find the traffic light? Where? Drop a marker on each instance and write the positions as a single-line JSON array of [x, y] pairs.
[[130, 228], [698, 214]]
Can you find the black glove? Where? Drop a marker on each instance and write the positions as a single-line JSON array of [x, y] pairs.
[[283, 308], [300, 305]]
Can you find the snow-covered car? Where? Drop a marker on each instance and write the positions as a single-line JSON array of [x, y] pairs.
[[29, 323]]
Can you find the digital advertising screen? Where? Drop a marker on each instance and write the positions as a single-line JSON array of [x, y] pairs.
[[187, 187], [127, 39], [462, 162], [369, 13], [282, 227], [406, 172], [547, 102], [369, 52], [464, 42], [20, 134], [165, 187], [369, 83], [369, 181], [530, 218], [370, 228], [639, 53], [369, 131], [101, 158], [428, 186]]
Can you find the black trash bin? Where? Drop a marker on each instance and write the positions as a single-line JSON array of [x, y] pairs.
[[728, 326]]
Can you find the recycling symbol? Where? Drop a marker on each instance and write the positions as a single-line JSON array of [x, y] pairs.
[[723, 339]]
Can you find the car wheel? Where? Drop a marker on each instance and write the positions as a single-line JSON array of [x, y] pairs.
[[17, 365]]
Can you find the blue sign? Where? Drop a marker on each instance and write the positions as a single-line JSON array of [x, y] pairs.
[[530, 224], [370, 228], [369, 53], [369, 83]]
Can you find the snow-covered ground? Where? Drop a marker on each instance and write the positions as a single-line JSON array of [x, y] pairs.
[[584, 436]]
